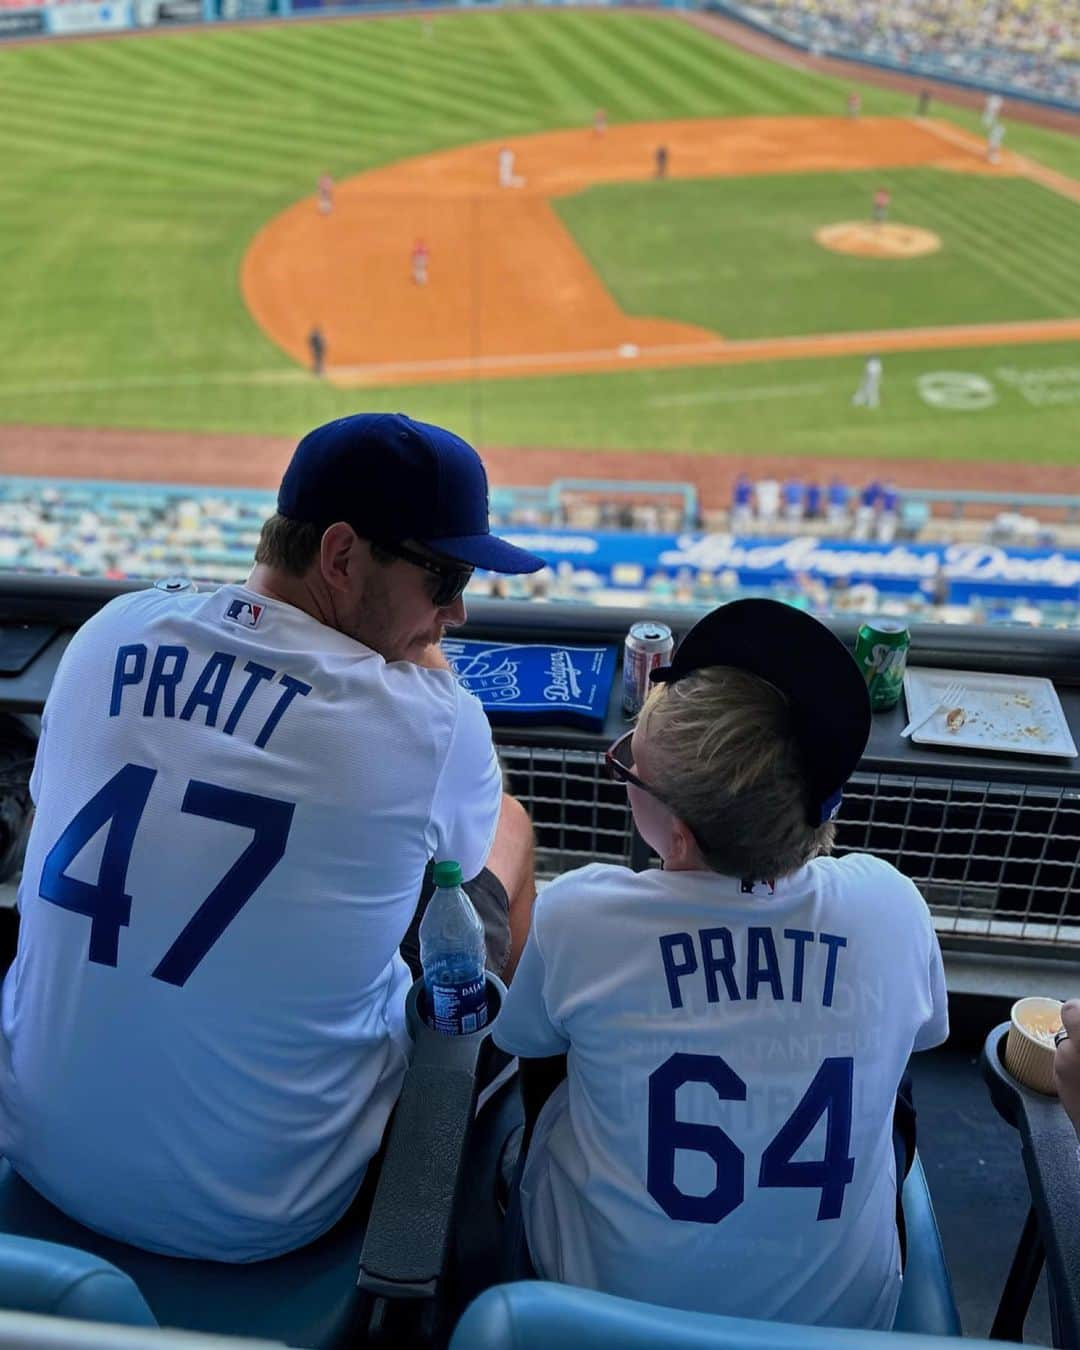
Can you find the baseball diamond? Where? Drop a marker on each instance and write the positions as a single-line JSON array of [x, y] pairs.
[[173, 271]]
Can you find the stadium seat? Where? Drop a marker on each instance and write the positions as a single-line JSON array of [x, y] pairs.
[[306, 1298], [393, 1241], [927, 1306], [42, 1277], [536, 1315]]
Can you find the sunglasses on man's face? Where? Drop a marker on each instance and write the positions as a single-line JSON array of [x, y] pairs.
[[451, 578]]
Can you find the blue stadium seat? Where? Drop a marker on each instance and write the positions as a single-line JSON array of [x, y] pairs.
[[927, 1306], [305, 1298], [42, 1277], [535, 1315]]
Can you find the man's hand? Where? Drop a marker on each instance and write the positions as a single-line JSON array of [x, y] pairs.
[[1067, 1062]]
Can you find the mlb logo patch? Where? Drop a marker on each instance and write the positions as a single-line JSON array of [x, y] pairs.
[[245, 612]]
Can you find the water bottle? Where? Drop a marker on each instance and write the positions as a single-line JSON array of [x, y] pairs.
[[452, 955]]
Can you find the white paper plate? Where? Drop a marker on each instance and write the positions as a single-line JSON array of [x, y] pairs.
[[1019, 714]]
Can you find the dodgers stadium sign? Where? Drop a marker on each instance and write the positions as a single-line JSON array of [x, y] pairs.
[[631, 559]]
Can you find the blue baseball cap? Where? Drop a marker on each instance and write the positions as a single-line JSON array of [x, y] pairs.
[[395, 480]]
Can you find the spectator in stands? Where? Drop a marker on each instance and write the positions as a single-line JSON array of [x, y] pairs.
[[768, 501], [867, 509], [794, 494], [839, 494], [813, 500], [888, 513], [742, 503], [299, 736]]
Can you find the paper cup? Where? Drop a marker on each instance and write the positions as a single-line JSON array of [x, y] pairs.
[[1029, 1047]]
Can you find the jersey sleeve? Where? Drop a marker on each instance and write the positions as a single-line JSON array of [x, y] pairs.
[[468, 793], [523, 1026], [935, 1029]]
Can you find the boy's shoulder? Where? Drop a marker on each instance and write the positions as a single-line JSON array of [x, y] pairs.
[[863, 883], [579, 895]]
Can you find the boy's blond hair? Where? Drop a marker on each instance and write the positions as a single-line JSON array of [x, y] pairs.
[[723, 756]]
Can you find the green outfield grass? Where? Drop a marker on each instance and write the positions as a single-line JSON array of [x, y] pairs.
[[136, 171], [738, 255]]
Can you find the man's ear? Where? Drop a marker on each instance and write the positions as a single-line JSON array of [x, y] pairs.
[[338, 555]]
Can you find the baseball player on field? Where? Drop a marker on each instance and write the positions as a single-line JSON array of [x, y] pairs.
[[237, 794], [735, 1025], [868, 394], [419, 259], [507, 177]]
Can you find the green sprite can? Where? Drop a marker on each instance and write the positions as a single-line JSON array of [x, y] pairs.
[[881, 650]]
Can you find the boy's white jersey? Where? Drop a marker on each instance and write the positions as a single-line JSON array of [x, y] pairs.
[[204, 1024], [723, 1141]]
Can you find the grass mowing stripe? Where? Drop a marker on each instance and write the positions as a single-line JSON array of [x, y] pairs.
[[626, 69], [1046, 242], [392, 88], [472, 72], [1000, 231], [744, 79], [149, 162], [112, 137], [256, 135], [563, 53], [566, 102], [599, 70], [974, 240], [727, 91]]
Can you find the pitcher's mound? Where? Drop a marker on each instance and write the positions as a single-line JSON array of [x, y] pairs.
[[867, 239]]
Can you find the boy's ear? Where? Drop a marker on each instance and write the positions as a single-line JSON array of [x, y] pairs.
[[684, 848]]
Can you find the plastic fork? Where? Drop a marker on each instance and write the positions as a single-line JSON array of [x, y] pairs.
[[949, 698]]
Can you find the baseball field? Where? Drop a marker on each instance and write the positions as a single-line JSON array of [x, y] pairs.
[[163, 259]]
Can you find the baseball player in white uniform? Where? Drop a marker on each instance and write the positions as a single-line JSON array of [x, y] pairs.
[[994, 139], [735, 1025], [237, 794], [507, 177], [868, 394]]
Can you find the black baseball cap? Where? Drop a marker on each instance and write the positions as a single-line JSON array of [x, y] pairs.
[[396, 480], [810, 666]]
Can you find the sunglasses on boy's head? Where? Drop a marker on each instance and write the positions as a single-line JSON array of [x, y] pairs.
[[451, 577]]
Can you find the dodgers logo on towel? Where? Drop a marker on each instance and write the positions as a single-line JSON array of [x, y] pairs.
[[535, 683]]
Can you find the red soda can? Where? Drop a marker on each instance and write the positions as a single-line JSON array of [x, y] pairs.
[[648, 644]]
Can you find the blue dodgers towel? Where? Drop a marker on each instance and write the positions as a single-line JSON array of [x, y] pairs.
[[532, 684]]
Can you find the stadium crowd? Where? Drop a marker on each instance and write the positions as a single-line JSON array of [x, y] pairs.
[[147, 531], [1028, 47]]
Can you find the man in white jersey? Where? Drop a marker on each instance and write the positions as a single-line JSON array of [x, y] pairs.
[[237, 795], [736, 1026]]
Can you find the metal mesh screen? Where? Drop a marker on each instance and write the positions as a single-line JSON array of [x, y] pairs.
[[998, 861]]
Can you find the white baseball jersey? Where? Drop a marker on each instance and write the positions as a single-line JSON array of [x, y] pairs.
[[204, 1024], [723, 1141]]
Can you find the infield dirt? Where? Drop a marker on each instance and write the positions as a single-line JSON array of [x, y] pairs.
[[509, 290]]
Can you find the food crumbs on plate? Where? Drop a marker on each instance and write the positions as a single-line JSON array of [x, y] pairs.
[[955, 719], [1023, 700]]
